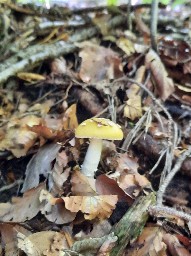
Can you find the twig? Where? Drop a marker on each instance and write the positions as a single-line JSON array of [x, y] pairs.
[[171, 174], [7, 187], [153, 24], [129, 20], [166, 211]]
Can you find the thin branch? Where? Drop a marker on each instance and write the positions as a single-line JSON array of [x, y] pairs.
[[171, 174], [168, 211], [7, 187], [153, 25]]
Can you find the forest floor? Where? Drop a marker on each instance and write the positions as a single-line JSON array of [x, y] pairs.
[[60, 67]]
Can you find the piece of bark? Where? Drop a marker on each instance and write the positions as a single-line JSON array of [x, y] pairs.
[[132, 223]]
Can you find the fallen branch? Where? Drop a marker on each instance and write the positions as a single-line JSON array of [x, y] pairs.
[[132, 223]]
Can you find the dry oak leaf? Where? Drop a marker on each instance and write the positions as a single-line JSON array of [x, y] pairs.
[[81, 185], [98, 63], [18, 138], [127, 163], [133, 108], [133, 184], [39, 244], [92, 206], [24, 208], [8, 234], [149, 243], [59, 174], [54, 209], [70, 121], [164, 84]]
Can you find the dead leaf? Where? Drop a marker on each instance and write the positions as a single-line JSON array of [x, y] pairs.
[[92, 206], [18, 138], [174, 246], [164, 84], [24, 208], [81, 185], [9, 238], [41, 243], [58, 66], [133, 108], [149, 243], [30, 77], [101, 20], [40, 164], [127, 163], [70, 121], [59, 174], [126, 45], [107, 186], [98, 63], [54, 209]]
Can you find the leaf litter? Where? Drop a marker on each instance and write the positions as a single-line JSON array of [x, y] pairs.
[[61, 71]]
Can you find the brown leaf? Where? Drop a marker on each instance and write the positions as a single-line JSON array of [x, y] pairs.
[[41, 243], [164, 84], [24, 208], [98, 63], [81, 185], [107, 186], [59, 174], [70, 121], [18, 138], [174, 246], [127, 163], [92, 206], [133, 108], [9, 238], [54, 209], [149, 243]]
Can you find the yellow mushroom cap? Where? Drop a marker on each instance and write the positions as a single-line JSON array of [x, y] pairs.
[[99, 128]]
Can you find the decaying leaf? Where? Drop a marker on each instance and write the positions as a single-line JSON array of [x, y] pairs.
[[127, 176], [127, 163], [54, 209], [39, 164], [22, 208], [98, 63], [30, 77], [9, 238], [18, 138], [149, 243], [70, 121], [174, 246], [92, 206], [164, 84], [126, 45], [81, 185], [41, 243], [133, 108], [107, 186], [59, 174]]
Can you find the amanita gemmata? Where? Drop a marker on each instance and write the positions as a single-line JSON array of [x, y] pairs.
[[96, 129]]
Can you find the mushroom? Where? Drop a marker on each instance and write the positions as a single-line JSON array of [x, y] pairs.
[[96, 129]]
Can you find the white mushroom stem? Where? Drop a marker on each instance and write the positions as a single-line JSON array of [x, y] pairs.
[[92, 158]]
